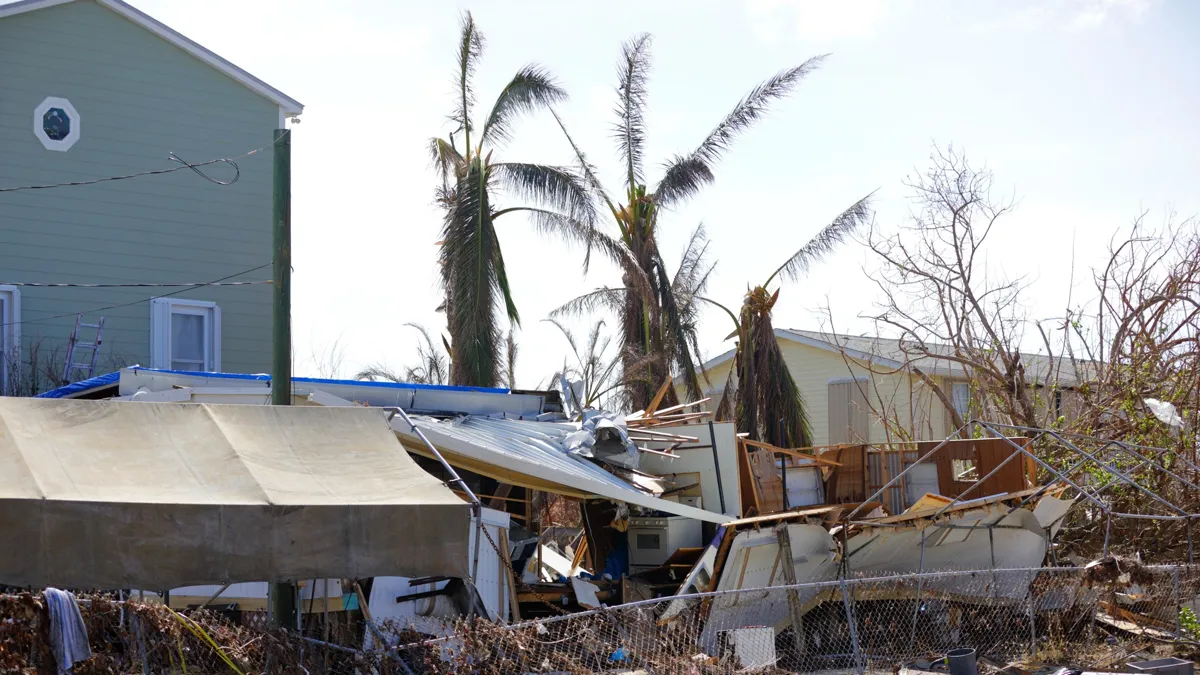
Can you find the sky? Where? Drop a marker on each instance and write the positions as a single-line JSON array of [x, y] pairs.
[[1084, 110]]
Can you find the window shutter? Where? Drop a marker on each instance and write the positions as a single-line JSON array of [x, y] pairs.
[[160, 333]]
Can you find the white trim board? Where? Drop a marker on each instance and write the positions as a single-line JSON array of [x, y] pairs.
[[288, 105], [819, 344]]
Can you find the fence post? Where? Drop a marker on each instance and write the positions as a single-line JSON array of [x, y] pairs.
[[1032, 617], [860, 662], [912, 641], [1176, 598], [141, 640]]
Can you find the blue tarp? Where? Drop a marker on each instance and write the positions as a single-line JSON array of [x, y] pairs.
[[83, 386], [113, 378]]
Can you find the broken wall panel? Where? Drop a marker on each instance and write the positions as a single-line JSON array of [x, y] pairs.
[[983, 455], [848, 482]]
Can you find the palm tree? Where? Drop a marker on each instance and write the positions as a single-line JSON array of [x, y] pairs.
[[680, 304], [655, 337], [765, 401], [473, 271], [594, 368]]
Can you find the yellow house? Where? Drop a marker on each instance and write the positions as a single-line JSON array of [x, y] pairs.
[[860, 389]]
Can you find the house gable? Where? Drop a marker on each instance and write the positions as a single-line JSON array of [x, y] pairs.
[[140, 99], [288, 106]]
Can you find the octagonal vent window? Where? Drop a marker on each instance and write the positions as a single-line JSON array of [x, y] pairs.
[[57, 124]]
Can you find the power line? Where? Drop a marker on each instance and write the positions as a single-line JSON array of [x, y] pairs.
[[183, 164], [137, 285], [93, 310]]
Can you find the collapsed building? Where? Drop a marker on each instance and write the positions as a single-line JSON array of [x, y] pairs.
[[673, 504]]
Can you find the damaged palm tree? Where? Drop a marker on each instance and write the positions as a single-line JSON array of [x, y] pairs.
[[473, 272], [765, 401], [657, 330]]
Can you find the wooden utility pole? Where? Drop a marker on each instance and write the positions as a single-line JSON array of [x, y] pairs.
[[283, 594]]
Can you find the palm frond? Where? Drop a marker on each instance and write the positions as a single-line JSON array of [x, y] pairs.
[[826, 240], [378, 373], [448, 162], [585, 167], [475, 282], [633, 72], [470, 48], [609, 299], [550, 222], [551, 186], [691, 277], [724, 412], [686, 174], [432, 365], [568, 335], [531, 88], [680, 334], [783, 418]]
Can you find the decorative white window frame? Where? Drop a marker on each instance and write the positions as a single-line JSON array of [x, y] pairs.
[[38, 125], [161, 310], [10, 332]]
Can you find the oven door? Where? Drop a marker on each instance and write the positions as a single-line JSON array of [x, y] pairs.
[[648, 545]]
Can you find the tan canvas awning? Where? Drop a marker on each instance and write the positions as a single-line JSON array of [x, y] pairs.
[[101, 494]]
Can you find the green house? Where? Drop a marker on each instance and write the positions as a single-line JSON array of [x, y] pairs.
[[93, 89]]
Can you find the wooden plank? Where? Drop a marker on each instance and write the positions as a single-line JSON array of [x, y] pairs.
[[918, 515], [502, 492], [662, 391], [511, 580], [681, 406], [748, 489], [767, 480], [791, 452], [823, 511], [849, 481], [580, 551]]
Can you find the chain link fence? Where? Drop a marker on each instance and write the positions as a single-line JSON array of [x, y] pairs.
[[1100, 616]]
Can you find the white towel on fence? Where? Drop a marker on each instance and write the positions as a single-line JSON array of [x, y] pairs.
[[68, 634]]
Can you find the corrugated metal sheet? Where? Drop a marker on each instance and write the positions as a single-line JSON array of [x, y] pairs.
[[535, 449]]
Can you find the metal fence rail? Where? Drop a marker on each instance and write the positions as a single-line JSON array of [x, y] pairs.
[[1093, 617]]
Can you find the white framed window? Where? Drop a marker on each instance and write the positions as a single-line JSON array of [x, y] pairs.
[[960, 393], [185, 335], [57, 124], [10, 336]]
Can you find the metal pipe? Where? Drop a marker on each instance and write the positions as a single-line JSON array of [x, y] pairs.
[[1127, 479], [854, 646], [712, 435], [1052, 470], [476, 505], [1063, 434]]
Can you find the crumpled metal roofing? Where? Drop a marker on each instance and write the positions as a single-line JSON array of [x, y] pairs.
[[539, 450]]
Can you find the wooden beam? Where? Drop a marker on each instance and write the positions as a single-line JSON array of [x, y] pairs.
[[502, 491], [793, 453], [795, 607], [506, 560], [662, 391], [682, 406]]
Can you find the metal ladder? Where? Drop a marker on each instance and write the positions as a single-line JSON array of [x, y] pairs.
[[74, 344]]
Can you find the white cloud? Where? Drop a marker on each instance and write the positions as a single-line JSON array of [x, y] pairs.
[[1094, 13], [1078, 15], [817, 21]]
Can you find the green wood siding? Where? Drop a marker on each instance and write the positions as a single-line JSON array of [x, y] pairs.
[[140, 98]]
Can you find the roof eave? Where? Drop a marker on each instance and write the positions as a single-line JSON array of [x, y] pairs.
[[290, 106]]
